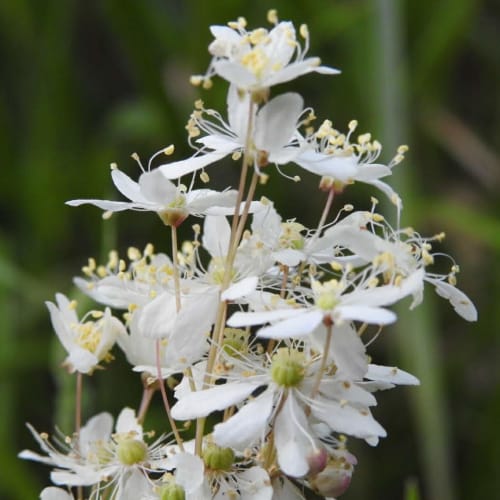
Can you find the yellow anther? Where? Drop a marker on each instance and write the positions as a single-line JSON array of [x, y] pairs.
[[336, 266], [107, 215], [72, 305], [207, 84], [304, 31], [263, 178], [198, 104], [196, 228], [169, 150], [196, 80], [133, 253], [204, 177], [149, 250], [348, 207], [135, 157], [113, 166], [258, 36], [236, 155], [272, 16], [97, 314], [102, 272], [122, 265], [378, 218], [353, 124], [364, 138], [402, 149], [374, 200]]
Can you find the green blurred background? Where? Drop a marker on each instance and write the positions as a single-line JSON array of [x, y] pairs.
[[86, 83]]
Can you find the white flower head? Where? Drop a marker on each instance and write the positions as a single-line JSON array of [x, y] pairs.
[[153, 192], [87, 341], [258, 59], [99, 457], [271, 141]]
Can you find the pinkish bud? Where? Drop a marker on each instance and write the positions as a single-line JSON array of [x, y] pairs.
[[335, 478], [317, 461]]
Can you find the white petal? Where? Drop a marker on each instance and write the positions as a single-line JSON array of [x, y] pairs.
[[460, 302], [129, 188], [240, 289], [390, 374], [277, 121], [188, 470], [234, 73], [248, 425], [202, 403], [157, 189], [110, 206], [293, 439], [371, 315], [52, 493], [348, 420], [255, 484], [97, 428], [257, 318], [288, 257], [177, 169], [216, 235], [238, 106], [127, 422], [297, 326]]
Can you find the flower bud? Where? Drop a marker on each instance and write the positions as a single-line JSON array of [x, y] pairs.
[[335, 478], [317, 461]]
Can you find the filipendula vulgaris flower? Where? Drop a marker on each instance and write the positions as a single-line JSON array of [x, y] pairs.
[[255, 60], [155, 193], [398, 253], [145, 288], [272, 138], [102, 459], [219, 474], [341, 161], [284, 382], [87, 341]]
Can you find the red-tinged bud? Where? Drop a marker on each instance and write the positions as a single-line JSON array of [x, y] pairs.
[[317, 461]]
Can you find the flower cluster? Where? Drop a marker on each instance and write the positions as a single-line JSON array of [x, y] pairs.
[[262, 324]]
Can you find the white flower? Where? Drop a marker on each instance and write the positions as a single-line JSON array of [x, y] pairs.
[[398, 254], [155, 193], [332, 155], [87, 341], [117, 460], [271, 139], [334, 301], [255, 60]]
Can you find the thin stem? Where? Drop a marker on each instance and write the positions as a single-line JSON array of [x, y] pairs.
[[78, 421], [166, 404], [177, 281], [242, 221], [326, 209], [147, 396], [236, 232], [78, 403]]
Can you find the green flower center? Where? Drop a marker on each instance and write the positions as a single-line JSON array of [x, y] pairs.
[[172, 491], [131, 451], [217, 458], [287, 367]]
